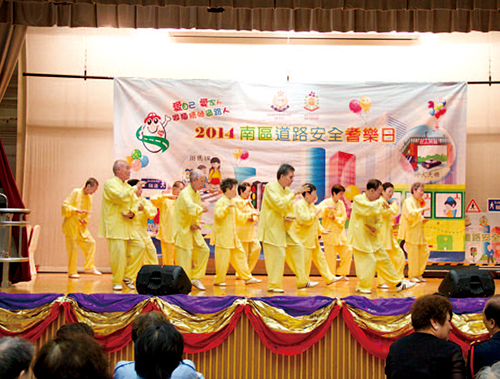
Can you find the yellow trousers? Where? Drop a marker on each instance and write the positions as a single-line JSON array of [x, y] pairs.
[[318, 257], [366, 265], [238, 260], [275, 258], [87, 244], [125, 258], [252, 251], [398, 260], [149, 256], [345, 254], [193, 261], [417, 259], [168, 253]]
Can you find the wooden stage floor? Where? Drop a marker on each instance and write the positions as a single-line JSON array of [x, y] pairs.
[[89, 284]]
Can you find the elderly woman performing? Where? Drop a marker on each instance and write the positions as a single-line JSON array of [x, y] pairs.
[[427, 353]]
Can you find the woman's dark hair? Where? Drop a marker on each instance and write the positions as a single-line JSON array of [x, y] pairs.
[[427, 307], [242, 187], [158, 351], [337, 188]]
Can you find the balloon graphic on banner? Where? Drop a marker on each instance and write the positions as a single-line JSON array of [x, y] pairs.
[[237, 153], [136, 165], [365, 103], [244, 155], [136, 154], [129, 160], [144, 161], [351, 191], [354, 106]]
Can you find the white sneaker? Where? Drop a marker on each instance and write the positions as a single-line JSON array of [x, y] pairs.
[[335, 279], [276, 290], [219, 284], [74, 276], [117, 287], [345, 278], [309, 285], [405, 284], [129, 283], [383, 286], [198, 284], [421, 278], [253, 281], [363, 291], [415, 280], [93, 271]]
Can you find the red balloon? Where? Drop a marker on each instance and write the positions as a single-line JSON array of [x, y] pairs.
[[354, 106], [244, 155]]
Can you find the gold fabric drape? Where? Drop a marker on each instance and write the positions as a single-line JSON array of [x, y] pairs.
[[11, 41]]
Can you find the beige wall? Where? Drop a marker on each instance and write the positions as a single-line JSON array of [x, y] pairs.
[[69, 122]]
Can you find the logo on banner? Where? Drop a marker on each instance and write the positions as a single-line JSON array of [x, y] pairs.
[[280, 102], [153, 133], [311, 102]]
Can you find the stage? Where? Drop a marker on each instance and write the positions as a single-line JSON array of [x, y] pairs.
[[241, 331]]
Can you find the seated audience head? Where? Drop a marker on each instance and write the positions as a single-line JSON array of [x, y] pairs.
[[80, 357], [75, 328], [16, 354], [144, 320], [491, 314], [489, 372], [158, 351], [432, 314]]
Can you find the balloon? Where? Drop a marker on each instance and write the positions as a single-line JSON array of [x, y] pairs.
[[351, 191], [354, 106], [244, 155], [366, 103], [431, 112], [129, 160], [144, 161], [237, 153], [136, 154], [136, 165]]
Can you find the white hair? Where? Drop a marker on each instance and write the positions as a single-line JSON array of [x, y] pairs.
[[489, 372]]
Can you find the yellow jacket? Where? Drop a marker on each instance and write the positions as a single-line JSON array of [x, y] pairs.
[[411, 228], [71, 223], [117, 197], [166, 207], [246, 231], [225, 220], [336, 227], [141, 217], [364, 212], [277, 204], [187, 212], [306, 225], [386, 230]]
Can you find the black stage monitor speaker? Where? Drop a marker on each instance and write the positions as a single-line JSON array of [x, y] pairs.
[[162, 280], [467, 283]]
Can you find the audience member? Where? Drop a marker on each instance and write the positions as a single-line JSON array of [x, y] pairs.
[[80, 357], [16, 354], [488, 352], [185, 369], [427, 353], [489, 372], [74, 328]]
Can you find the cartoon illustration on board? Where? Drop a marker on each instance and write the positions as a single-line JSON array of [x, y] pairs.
[[153, 133]]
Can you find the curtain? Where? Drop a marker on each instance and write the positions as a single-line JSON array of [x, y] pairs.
[[437, 16]]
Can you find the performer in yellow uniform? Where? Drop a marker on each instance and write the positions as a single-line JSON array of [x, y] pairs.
[[76, 212], [279, 242], [191, 250], [389, 210], [364, 237], [307, 228], [165, 203], [228, 247], [117, 226], [246, 232], [334, 216], [145, 210], [411, 230]]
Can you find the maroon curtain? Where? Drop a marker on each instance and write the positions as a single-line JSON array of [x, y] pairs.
[[19, 272]]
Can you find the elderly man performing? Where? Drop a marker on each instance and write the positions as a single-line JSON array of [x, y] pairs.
[[364, 237], [165, 203], [117, 226], [411, 230], [191, 250], [280, 243], [76, 212]]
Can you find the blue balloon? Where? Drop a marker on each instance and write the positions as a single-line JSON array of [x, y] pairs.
[[144, 161], [432, 112]]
